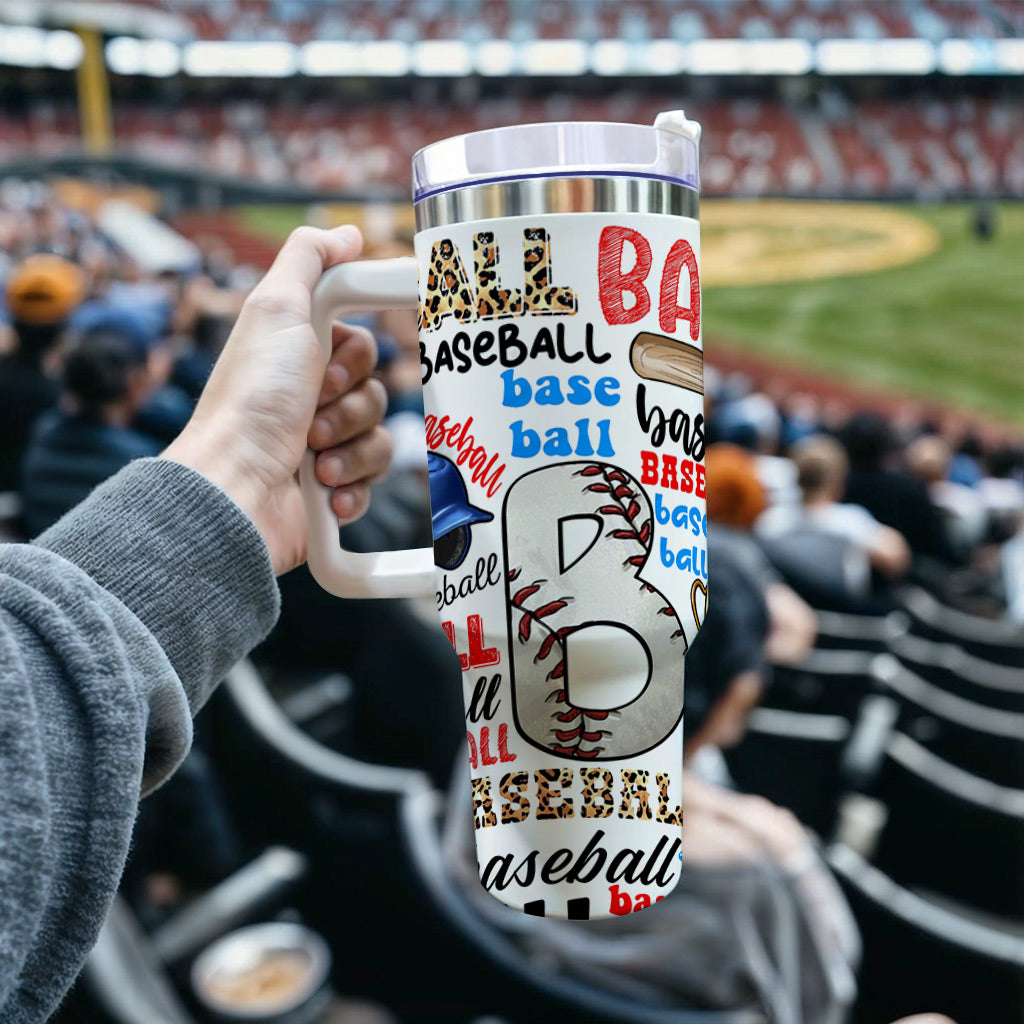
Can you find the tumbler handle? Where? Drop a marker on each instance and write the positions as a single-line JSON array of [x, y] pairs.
[[367, 287]]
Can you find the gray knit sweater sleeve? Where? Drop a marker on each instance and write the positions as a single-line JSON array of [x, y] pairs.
[[114, 627]]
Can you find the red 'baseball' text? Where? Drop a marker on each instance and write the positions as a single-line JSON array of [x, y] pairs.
[[443, 431]]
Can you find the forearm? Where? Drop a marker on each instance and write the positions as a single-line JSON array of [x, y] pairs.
[[113, 629], [183, 558], [889, 552], [793, 626]]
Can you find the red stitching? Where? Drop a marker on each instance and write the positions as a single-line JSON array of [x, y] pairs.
[[621, 490]]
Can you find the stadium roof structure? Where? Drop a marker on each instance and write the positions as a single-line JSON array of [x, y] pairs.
[[107, 18], [161, 38]]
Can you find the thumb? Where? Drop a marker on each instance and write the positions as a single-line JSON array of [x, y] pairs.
[[302, 260]]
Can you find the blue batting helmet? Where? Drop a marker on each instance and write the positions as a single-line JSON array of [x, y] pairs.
[[449, 502]]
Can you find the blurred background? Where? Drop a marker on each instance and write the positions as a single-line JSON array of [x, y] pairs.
[[855, 702]]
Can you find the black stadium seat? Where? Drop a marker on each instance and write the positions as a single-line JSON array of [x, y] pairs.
[[920, 955], [848, 632], [950, 832], [830, 682], [793, 759], [383, 894], [989, 639], [952, 669], [982, 740]]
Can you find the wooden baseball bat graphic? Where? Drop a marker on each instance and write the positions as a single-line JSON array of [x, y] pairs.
[[656, 357]]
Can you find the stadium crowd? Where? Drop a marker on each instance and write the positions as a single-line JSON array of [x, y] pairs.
[[134, 347], [301, 20], [813, 506], [829, 145]]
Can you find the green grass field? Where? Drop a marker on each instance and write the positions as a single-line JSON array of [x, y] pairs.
[[948, 328], [272, 221]]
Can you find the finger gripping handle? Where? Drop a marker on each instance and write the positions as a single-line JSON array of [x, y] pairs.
[[367, 287]]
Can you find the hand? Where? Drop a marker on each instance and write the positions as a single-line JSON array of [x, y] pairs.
[[255, 417]]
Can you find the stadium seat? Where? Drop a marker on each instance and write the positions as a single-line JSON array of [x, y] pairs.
[[949, 832], [127, 978], [921, 955], [124, 979], [320, 703], [381, 891], [981, 740], [793, 759], [829, 682], [847, 632], [952, 669], [990, 639]]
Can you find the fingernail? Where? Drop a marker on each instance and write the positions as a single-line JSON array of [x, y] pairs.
[[344, 504], [339, 376], [322, 428], [334, 468], [348, 233]]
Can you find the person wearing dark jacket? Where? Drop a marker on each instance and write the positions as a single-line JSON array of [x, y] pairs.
[[39, 296], [895, 499], [117, 622], [88, 437]]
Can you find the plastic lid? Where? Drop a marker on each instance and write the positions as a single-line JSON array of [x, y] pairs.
[[666, 151]]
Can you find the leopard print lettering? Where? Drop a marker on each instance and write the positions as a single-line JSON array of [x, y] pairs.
[[550, 785], [669, 817], [492, 301], [542, 297], [483, 806], [598, 799], [513, 791], [634, 787], [448, 290]]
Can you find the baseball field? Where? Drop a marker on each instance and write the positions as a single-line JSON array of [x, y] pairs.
[[902, 299]]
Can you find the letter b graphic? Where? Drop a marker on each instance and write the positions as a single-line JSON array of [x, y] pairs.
[[596, 653]]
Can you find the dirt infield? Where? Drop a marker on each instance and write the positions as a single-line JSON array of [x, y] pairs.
[[779, 240]]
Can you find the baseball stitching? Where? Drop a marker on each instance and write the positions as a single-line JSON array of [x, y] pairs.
[[621, 509]]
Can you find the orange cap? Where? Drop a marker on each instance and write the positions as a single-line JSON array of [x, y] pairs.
[[734, 492], [44, 289]]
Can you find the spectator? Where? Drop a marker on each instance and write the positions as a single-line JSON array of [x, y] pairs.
[[966, 520], [1002, 489], [894, 498], [965, 465], [752, 421], [41, 295], [1012, 572], [107, 379], [736, 499], [725, 666], [822, 469], [203, 316], [167, 407]]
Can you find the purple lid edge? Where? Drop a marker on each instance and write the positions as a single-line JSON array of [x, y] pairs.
[[690, 182]]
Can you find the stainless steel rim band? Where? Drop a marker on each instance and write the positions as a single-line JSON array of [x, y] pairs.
[[530, 196]]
